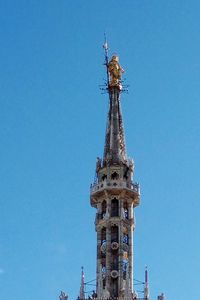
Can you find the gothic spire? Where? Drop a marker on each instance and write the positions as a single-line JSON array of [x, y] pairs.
[[114, 149], [146, 286], [114, 195], [82, 286]]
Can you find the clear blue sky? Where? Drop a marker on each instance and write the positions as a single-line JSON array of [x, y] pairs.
[[52, 125]]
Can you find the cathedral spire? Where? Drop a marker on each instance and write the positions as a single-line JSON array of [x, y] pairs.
[[114, 149], [114, 195], [146, 286], [82, 286]]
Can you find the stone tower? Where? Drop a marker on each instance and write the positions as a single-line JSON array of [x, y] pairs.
[[114, 195]]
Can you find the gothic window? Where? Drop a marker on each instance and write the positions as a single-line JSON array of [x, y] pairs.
[[103, 271], [126, 173], [114, 176], [114, 208], [114, 288], [103, 209], [103, 235], [104, 177], [114, 234], [104, 283], [114, 263]]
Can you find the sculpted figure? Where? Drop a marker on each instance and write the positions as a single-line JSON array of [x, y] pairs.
[[115, 71]]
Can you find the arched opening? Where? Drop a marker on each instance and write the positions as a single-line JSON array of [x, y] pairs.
[[126, 173], [114, 208], [115, 176], [114, 261], [104, 177], [114, 234], [103, 271], [103, 235], [104, 283], [103, 209], [114, 288]]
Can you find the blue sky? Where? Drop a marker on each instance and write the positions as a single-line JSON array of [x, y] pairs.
[[52, 125]]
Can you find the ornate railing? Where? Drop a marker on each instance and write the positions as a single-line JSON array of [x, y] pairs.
[[114, 183], [113, 298]]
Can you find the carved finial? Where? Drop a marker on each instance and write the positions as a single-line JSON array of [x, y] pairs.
[[146, 285], [63, 296], [115, 71], [161, 297], [105, 45]]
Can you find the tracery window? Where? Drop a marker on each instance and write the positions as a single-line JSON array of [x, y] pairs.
[[103, 209], [114, 287], [114, 208], [114, 176], [104, 177], [114, 234], [114, 262]]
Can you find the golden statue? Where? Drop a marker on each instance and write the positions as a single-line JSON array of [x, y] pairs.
[[115, 71]]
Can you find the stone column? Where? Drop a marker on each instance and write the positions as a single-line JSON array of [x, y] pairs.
[[130, 211]]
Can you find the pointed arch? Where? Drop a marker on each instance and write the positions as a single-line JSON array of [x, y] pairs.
[[114, 207]]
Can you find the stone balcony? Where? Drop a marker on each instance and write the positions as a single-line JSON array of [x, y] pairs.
[[111, 298], [115, 187], [110, 184]]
